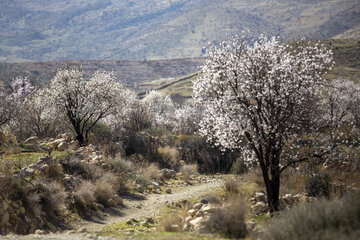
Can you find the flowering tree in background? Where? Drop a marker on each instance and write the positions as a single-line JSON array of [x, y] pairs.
[[258, 97], [12, 105], [160, 107], [187, 118], [85, 101]]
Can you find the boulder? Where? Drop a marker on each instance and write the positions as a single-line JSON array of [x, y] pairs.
[[209, 208], [168, 191], [259, 208], [198, 206], [289, 199], [198, 224], [27, 172], [44, 169], [44, 159], [260, 197], [63, 146]]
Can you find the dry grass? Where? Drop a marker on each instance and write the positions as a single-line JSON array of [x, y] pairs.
[[231, 186], [292, 181], [174, 220], [188, 170], [254, 176], [152, 172], [229, 220], [84, 194], [170, 155], [324, 220], [105, 188]]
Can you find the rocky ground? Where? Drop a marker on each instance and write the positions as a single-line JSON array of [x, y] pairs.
[[134, 208]]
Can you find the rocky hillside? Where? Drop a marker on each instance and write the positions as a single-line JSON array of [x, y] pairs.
[[139, 75], [40, 30]]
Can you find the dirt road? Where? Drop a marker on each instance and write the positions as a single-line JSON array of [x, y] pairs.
[[147, 206]]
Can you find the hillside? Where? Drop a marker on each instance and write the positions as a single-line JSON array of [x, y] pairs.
[[139, 75], [347, 64], [40, 30]]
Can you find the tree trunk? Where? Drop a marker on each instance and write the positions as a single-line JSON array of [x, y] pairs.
[[81, 139], [273, 194]]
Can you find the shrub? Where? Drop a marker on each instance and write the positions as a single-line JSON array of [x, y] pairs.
[[320, 220], [174, 220], [105, 188], [103, 191], [231, 186], [211, 198], [238, 167], [170, 155], [84, 194], [318, 184], [228, 220], [142, 180], [187, 171], [152, 172]]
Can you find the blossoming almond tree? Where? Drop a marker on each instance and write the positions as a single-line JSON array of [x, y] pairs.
[[258, 96], [85, 101]]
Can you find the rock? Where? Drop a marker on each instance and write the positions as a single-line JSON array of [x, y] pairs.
[[150, 220], [4, 219], [209, 208], [260, 197], [259, 208], [40, 232], [139, 188], [70, 232], [32, 140], [27, 172], [251, 224], [82, 230], [300, 198], [197, 206], [44, 169], [168, 173], [204, 201], [55, 144], [33, 166], [289, 199], [198, 224], [168, 190], [191, 212], [111, 203], [67, 136], [118, 200], [44, 160], [156, 185], [62, 146], [157, 191]]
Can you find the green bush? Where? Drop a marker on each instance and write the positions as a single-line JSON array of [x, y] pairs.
[[320, 220]]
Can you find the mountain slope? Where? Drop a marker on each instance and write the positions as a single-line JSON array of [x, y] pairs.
[[39, 30]]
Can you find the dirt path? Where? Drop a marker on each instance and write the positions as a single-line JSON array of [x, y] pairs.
[[137, 208]]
